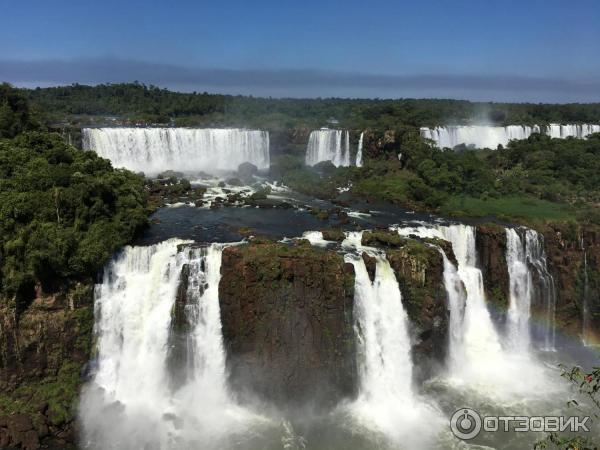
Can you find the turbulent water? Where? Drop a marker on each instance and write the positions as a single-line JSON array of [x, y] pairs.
[[153, 150], [328, 145], [484, 136], [387, 401], [359, 151], [159, 380], [132, 401], [478, 357]]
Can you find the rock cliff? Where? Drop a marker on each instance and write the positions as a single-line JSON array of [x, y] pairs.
[[287, 317]]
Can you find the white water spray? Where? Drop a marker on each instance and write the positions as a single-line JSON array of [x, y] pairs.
[[544, 292], [328, 145], [386, 400], [153, 150], [520, 292], [359, 151], [130, 402]]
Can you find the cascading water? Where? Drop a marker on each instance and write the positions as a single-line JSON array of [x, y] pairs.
[[483, 136], [153, 150], [586, 330], [475, 344], [131, 401], [328, 145], [520, 292], [386, 399], [477, 358], [359, 151], [544, 290]]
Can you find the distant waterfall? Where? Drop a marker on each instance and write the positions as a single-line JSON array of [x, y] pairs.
[[130, 402], [520, 292], [153, 150], [483, 136], [328, 145], [544, 291], [359, 151]]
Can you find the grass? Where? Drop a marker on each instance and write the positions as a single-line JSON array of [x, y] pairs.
[[525, 208]]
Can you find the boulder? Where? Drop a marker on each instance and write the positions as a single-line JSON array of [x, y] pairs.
[[246, 172]]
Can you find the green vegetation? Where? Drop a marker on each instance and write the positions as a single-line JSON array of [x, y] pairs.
[[531, 180], [588, 386], [506, 208], [150, 104], [58, 392], [63, 212], [15, 113]]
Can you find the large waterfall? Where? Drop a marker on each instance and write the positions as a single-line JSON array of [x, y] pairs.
[[328, 145], [359, 151], [153, 150], [484, 136], [132, 400]]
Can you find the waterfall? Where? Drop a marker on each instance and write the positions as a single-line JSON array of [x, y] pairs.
[[544, 290], [328, 145], [386, 400], [386, 366], [520, 292], [130, 403], [153, 150], [457, 297], [483, 136], [586, 326], [475, 350], [359, 155]]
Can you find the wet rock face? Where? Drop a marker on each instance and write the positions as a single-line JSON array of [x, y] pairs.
[[287, 318], [490, 241], [569, 249]]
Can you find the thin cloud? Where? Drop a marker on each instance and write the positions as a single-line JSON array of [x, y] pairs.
[[304, 83]]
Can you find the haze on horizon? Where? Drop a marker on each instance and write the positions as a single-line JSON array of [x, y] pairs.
[[538, 51]]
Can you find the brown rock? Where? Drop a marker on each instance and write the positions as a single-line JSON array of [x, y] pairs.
[[30, 441], [287, 323], [19, 422]]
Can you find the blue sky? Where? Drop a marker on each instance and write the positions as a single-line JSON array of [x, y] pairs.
[[524, 50]]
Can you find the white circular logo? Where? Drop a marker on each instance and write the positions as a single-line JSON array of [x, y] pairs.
[[465, 423]]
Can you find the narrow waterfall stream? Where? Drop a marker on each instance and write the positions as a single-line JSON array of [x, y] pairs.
[[544, 289], [520, 292], [359, 151]]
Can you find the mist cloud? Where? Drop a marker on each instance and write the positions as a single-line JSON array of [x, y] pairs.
[[299, 83]]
